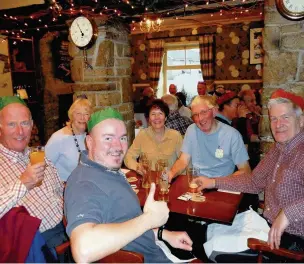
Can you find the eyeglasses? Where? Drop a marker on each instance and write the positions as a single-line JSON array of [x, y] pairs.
[[201, 113]]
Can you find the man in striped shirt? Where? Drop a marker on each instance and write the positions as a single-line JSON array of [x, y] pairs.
[[280, 174], [19, 180]]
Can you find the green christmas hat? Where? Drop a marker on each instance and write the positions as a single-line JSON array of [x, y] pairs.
[[101, 115], [6, 100]]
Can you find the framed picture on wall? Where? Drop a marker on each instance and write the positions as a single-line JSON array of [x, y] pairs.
[[256, 46]]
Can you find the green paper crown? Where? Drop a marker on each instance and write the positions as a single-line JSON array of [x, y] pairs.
[[101, 115], [6, 100]]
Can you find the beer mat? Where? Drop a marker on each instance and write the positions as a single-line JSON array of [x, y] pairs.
[[125, 171], [198, 198], [184, 197], [226, 191], [132, 179]]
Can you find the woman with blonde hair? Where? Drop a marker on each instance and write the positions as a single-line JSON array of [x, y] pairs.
[[65, 145]]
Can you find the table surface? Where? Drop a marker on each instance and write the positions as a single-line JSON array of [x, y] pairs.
[[219, 207]]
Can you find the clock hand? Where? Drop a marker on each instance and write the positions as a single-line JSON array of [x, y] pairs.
[[80, 30]]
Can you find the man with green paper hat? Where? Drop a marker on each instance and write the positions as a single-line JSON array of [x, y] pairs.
[[19, 179], [102, 210]]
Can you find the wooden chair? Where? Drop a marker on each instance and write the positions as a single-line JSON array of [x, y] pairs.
[[261, 247]]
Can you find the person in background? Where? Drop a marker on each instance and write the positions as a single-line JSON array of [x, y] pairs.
[[228, 107], [232, 113], [140, 107], [174, 119], [252, 120], [148, 96], [102, 210], [201, 88], [172, 89], [156, 141], [211, 146], [280, 174], [182, 105], [20, 180], [219, 90], [65, 145]]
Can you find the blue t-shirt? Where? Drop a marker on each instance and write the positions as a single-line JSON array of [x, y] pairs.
[[95, 194], [215, 154]]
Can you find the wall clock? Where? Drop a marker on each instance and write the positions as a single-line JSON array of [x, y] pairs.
[[291, 9], [83, 32]]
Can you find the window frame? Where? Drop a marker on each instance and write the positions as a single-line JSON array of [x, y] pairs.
[[177, 46]]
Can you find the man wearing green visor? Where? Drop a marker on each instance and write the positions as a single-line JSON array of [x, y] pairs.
[[102, 210], [19, 178]]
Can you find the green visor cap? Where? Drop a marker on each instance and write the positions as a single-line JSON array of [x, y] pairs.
[[6, 100], [102, 115]]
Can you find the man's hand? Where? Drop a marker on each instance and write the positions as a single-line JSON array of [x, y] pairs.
[[178, 239], [242, 111], [277, 229], [204, 182], [158, 212], [170, 176], [33, 175]]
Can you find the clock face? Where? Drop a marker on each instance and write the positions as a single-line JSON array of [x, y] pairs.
[[291, 9], [295, 6], [81, 31]]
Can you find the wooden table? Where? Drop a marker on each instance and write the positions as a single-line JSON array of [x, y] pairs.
[[219, 207]]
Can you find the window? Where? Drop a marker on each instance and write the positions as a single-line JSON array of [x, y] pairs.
[[181, 66]]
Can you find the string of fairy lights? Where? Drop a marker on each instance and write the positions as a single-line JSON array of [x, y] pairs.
[[55, 15]]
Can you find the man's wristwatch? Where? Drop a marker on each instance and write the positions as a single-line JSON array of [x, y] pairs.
[[160, 233]]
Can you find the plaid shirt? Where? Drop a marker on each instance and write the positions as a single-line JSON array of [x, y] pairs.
[[281, 175], [44, 202], [177, 122]]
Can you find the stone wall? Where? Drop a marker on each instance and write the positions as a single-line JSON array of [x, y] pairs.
[[284, 59], [107, 84]]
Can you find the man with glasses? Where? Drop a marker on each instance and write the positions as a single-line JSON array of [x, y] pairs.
[[211, 146]]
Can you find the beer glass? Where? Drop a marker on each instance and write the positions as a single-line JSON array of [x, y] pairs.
[[146, 165], [37, 155], [192, 173], [160, 166]]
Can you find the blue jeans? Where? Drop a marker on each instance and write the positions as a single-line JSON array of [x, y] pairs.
[[55, 237]]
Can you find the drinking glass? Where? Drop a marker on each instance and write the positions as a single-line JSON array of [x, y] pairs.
[[146, 165], [37, 155], [160, 166], [164, 182], [192, 173]]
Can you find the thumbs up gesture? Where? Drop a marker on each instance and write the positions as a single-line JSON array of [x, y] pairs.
[[157, 211]]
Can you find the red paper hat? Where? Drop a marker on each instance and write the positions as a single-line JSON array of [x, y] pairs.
[[296, 99], [226, 97]]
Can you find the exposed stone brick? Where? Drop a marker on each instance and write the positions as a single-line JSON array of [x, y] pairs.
[[77, 66], [105, 54], [293, 41], [280, 67], [95, 86], [108, 99], [123, 62], [119, 49], [271, 38], [126, 90]]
